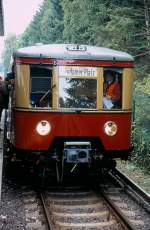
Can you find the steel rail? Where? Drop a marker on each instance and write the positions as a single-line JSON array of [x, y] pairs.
[[142, 197], [47, 214], [118, 213], [114, 210]]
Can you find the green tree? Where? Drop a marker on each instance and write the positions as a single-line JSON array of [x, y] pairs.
[[84, 21], [129, 27], [47, 25], [142, 123]]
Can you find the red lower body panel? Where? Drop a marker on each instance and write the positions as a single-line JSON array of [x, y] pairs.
[[70, 125]]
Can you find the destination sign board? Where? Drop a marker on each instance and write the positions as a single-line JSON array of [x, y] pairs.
[[77, 71]]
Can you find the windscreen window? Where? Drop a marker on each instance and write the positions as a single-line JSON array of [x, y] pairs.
[[40, 86], [77, 93], [112, 88]]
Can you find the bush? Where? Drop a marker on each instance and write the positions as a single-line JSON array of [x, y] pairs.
[[141, 137]]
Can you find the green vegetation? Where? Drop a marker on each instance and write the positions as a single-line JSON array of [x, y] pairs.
[[139, 176], [142, 123], [122, 25]]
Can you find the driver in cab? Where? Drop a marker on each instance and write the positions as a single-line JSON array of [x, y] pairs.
[[112, 91]]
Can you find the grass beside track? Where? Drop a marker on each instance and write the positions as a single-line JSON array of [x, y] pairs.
[[138, 175]]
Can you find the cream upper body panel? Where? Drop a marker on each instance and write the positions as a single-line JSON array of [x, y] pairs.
[[127, 91], [23, 88]]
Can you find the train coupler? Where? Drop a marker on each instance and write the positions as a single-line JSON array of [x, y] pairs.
[[77, 152]]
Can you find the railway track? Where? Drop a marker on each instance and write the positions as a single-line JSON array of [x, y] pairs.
[[109, 206], [137, 193], [78, 210]]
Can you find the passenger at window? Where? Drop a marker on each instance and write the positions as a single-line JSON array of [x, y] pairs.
[[112, 91]]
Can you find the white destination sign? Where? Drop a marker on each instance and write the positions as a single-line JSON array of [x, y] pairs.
[[77, 71]]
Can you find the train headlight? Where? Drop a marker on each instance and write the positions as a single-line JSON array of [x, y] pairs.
[[43, 128], [110, 128]]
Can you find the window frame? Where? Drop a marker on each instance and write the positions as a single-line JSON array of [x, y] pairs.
[[121, 80], [50, 68], [96, 78]]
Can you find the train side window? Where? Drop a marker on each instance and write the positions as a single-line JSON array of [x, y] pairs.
[[40, 86], [112, 88]]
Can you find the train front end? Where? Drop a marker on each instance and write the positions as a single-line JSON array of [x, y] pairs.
[[60, 110]]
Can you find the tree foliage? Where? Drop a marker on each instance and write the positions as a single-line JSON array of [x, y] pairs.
[[142, 123], [46, 26], [123, 25]]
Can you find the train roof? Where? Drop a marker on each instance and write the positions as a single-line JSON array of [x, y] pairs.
[[72, 51]]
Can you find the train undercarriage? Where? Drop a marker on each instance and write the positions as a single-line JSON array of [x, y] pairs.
[[65, 158]]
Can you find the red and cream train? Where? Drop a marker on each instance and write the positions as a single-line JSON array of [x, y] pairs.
[[59, 112]]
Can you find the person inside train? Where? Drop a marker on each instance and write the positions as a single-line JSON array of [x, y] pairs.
[[9, 80], [111, 91]]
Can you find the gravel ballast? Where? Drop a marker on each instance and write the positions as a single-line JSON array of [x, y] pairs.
[[11, 207]]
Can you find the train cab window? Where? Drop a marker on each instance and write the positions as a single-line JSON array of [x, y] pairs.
[[77, 93], [112, 88], [40, 86]]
